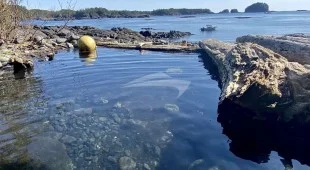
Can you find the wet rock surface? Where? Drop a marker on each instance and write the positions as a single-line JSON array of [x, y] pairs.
[[257, 78]]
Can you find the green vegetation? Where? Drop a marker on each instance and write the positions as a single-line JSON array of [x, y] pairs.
[[225, 11], [105, 13], [257, 7], [234, 11]]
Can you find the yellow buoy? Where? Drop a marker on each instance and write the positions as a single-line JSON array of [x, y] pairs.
[[86, 44]]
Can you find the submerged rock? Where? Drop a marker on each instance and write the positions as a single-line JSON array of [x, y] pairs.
[[172, 108], [257, 78], [126, 163], [50, 154]]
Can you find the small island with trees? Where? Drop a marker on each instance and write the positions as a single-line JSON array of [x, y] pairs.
[[257, 7], [100, 12]]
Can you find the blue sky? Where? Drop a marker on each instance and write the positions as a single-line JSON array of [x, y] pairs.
[[214, 5]]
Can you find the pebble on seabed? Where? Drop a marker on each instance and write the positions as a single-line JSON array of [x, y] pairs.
[[172, 108], [126, 163]]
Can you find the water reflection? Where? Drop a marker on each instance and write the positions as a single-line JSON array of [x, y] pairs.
[[19, 123], [88, 57], [252, 138]]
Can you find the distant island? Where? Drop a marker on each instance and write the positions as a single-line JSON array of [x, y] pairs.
[[257, 7], [99, 12], [95, 13]]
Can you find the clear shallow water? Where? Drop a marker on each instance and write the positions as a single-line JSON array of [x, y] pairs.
[[228, 26], [159, 109]]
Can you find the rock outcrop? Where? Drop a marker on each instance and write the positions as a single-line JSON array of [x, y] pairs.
[[294, 47], [261, 80]]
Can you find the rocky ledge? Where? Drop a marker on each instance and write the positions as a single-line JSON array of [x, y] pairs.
[[273, 86], [43, 42]]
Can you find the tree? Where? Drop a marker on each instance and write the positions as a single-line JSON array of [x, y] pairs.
[[234, 11], [225, 11], [257, 7]]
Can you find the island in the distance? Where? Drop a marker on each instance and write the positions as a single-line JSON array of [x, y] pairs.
[[100, 12], [257, 7]]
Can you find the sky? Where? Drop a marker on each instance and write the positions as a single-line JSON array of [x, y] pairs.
[[214, 5]]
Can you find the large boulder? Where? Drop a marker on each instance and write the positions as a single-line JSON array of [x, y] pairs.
[[259, 79]]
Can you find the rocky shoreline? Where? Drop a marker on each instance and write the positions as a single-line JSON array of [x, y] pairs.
[[266, 74], [44, 41]]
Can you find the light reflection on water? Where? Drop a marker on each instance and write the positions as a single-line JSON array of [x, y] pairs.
[[72, 114]]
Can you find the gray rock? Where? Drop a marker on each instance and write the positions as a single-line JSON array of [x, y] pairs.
[[83, 111], [38, 39], [68, 139], [172, 108], [63, 32], [69, 45], [74, 43], [112, 159], [146, 167], [18, 40], [116, 118], [61, 40], [1, 42], [261, 80], [126, 163], [49, 153], [196, 164], [103, 119], [73, 37]]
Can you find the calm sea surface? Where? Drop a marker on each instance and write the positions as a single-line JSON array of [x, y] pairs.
[[129, 109], [229, 26]]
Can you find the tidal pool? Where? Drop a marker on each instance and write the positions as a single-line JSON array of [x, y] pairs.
[[121, 110]]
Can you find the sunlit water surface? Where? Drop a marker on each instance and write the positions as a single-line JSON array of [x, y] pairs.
[[151, 110]]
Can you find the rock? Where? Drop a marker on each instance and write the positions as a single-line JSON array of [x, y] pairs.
[[49, 153], [116, 118], [259, 79], [38, 38], [1, 42], [73, 37], [68, 139], [61, 40], [103, 119], [63, 32], [50, 56], [83, 111], [74, 43], [146, 33], [126, 163], [196, 164], [18, 40], [112, 159], [146, 167], [172, 108], [294, 47], [4, 59], [170, 35], [69, 45]]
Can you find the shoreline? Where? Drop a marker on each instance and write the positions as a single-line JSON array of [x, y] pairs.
[[266, 74]]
